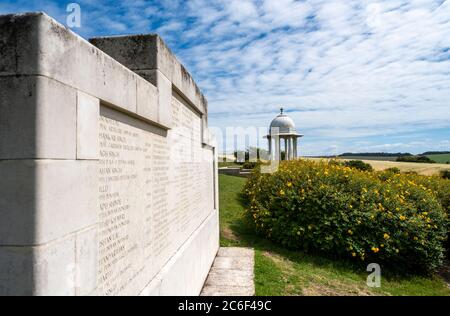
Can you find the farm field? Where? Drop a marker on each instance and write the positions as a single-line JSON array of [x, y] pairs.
[[440, 158], [427, 169], [279, 271], [368, 158]]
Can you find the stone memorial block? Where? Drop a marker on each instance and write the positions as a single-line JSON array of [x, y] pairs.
[[108, 184]]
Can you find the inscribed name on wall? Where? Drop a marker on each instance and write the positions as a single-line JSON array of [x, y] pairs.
[[155, 189]]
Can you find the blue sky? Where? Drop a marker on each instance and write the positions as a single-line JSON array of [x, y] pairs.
[[354, 75]]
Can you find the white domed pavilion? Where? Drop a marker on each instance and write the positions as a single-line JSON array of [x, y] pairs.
[[282, 130]]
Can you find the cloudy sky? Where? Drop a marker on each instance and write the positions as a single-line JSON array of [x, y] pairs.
[[354, 75]]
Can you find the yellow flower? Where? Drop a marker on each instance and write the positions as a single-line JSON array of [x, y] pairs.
[[353, 254], [386, 236], [350, 232], [289, 184], [375, 249], [282, 192], [402, 218]]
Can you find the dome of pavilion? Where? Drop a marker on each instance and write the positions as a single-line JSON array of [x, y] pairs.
[[282, 130], [284, 124]]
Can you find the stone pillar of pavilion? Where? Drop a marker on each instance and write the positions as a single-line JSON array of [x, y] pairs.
[[282, 130]]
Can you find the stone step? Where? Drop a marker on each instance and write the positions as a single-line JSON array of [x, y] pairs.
[[232, 273]]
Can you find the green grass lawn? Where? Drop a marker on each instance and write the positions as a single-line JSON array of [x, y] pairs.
[[440, 158], [279, 271]]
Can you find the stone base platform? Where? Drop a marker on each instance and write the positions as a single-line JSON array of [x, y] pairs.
[[232, 273]]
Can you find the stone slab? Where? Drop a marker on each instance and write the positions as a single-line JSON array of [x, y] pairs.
[[232, 273], [87, 261], [65, 267], [43, 270], [149, 52], [163, 99], [39, 112], [18, 29], [134, 51], [44, 200], [235, 252], [187, 270], [226, 277], [88, 113], [35, 44], [234, 263], [148, 205], [46, 47], [148, 101]]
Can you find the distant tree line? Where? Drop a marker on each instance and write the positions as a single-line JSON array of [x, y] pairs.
[[419, 158], [383, 154], [435, 152]]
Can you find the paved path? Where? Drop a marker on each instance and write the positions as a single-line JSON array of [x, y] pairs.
[[444, 272], [232, 273]]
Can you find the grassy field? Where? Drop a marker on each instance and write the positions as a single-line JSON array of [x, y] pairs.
[[279, 271], [368, 158], [427, 169], [440, 158]]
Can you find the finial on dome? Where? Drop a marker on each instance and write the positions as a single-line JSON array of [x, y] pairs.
[[281, 110]]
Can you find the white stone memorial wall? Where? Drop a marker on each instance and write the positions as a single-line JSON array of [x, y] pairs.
[[112, 181]]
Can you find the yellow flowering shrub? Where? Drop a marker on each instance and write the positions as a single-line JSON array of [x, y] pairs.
[[435, 185], [368, 216]]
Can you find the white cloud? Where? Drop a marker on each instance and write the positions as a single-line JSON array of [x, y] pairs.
[[241, 10], [285, 12], [346, 69]]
